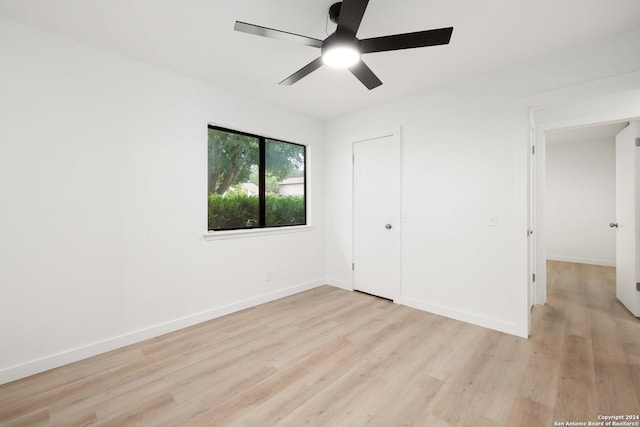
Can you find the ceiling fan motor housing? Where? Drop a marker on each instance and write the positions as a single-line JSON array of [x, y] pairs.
[[334, 12]]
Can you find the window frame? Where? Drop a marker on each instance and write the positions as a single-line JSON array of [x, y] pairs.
[[262, 187]]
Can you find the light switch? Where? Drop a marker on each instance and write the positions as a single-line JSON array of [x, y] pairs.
[[492, 219]]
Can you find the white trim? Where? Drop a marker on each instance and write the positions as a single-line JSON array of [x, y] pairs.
[[604, 262], [75, 354], [474, 319], [538, 235], [375, 134], [269, 231], [338, 284], [531, 216]]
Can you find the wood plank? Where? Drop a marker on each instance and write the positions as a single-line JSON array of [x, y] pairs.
[[527, 412], [332, 357]]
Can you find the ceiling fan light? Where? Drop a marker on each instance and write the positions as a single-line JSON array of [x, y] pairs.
[[341, 56]]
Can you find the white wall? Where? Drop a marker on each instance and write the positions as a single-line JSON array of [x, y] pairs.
[[460, 155], [580, 201], [103, 208]]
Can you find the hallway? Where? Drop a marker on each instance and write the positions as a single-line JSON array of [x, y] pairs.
[[590, 342]]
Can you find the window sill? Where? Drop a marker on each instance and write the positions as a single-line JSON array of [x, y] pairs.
[[238, 234]]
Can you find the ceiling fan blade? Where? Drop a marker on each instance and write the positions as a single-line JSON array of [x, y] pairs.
[[303, 72], [276, 34], [407, 41], [365, 75], [351, 13]]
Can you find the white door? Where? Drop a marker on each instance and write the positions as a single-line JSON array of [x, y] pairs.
[[376, 225], [626, 218]]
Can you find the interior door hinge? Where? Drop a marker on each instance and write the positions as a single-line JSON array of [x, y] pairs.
[[533, 149], [534, 277], [353, 267], [353, 158]]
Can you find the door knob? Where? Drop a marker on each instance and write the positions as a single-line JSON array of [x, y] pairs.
[[613, 225], [388, 226]]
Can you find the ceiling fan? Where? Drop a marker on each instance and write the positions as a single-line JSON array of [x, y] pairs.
[[343, 49]]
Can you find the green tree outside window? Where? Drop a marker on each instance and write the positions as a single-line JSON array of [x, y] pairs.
[[237, 164]]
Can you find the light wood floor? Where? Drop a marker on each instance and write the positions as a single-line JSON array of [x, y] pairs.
[[328, 357]]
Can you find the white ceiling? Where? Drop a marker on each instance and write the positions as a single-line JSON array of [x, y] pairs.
[[585, 133], [196, 38]]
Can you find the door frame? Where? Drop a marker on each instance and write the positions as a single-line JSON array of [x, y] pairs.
[[601, 110], [395, 133], [531, 216]]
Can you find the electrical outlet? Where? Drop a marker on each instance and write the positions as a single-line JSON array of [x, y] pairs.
[[268, 276]]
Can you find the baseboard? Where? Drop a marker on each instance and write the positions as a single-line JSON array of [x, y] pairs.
[[338, 284], [474, 319], [603, 262], [73, 355]]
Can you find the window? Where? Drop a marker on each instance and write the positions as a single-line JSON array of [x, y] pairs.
[[254, 182]]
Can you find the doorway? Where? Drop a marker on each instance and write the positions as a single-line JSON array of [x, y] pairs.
[[580, 194], [376, 215], [611, 108], [565, 118]]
